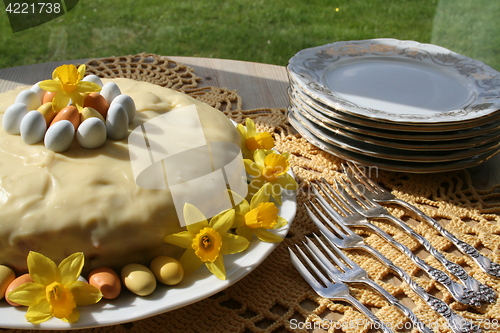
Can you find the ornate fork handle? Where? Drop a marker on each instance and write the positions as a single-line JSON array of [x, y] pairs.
[[483, 262], [455, 289], [483, 292], [457, 323]]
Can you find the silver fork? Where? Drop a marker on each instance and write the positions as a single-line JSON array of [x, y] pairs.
[[371, 209], [353, 218], [379, 194], [345, 238], [350, 272], [329, 287]]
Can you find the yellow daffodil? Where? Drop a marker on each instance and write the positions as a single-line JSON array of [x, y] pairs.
[[251, 140], [269, 168], [258, 217], [205, 242], [67, 83], [55, 290]]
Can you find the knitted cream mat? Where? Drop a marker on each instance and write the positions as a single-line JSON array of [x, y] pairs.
[[274, 297]]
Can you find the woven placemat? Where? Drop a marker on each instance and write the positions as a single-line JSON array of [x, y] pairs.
[[274, 297]]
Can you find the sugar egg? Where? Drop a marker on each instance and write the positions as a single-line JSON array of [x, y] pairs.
[[109, 91], [13, 116], [7, 275], [107, 281], [88, 112], [48, 112], [138, 279], [98, 102], [93, 78], [68, 113], [167, 270], [39, 91], [117, 122], [33, 127], [19, 281], [128, 104], [59, 136], [91, 133], [48, 96], [30, 98]]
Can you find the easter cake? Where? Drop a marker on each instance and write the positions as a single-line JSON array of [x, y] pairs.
[[59, 198]]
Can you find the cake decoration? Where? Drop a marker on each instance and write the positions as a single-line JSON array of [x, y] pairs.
[[251, 140], [107, 281], [67, 85], [55, 290], [94, 117], [270, 168], [258, 217], [39, 114], [207, 242]]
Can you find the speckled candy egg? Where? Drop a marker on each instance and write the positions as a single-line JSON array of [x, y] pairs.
[[33, 127], [59, 136], [91, 133], [13, 116], [138, 279]]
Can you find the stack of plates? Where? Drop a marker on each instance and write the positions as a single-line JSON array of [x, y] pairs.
[[397, 105]]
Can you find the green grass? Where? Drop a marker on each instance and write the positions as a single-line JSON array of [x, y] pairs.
[[269, 31]]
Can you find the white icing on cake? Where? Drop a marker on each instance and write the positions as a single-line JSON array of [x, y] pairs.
[[87, 199]]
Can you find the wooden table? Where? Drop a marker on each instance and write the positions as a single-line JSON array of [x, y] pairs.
[[259, 85]]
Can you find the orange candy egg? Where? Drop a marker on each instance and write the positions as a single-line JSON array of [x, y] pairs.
[[48, 96], [98, 102], [107, 281], [68, 113], [19, 281]]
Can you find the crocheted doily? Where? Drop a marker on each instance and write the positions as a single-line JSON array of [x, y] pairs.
[[274, 297]]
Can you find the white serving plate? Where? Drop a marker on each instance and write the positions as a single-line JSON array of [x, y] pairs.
[[193, 288]]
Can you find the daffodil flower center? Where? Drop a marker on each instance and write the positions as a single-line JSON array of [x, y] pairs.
[[60, 299], [207, 244], [205, 240]]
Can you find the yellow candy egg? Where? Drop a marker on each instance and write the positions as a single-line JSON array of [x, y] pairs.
[[138, 279], [88, 112], [107, 281], [7, 275], [47, 112], [19, 281], [167, 270]]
